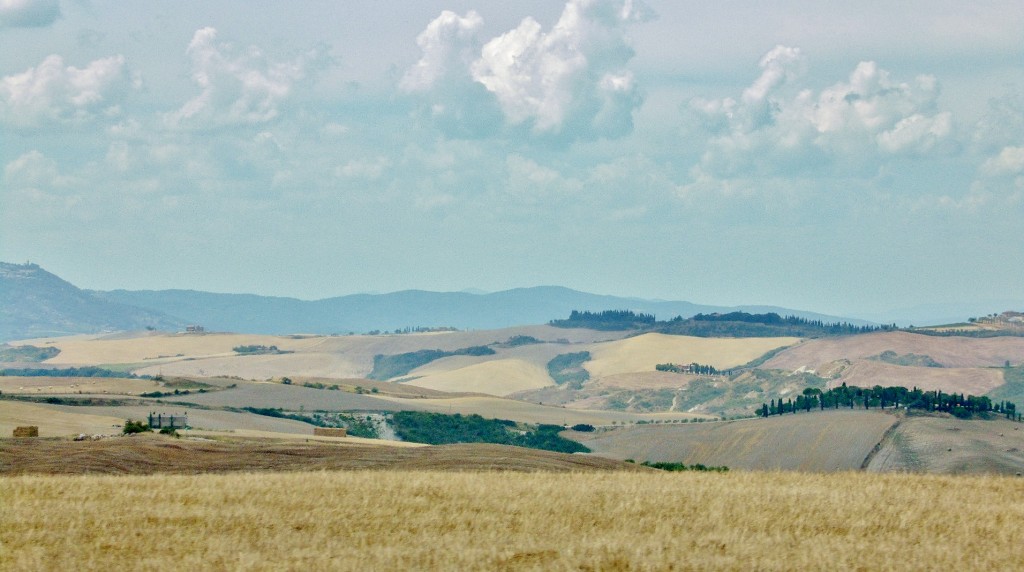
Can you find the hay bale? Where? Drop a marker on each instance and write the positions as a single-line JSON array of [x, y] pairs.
[[330, 432], [27, 431]]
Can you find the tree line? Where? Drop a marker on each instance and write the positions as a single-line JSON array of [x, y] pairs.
[[731, 324], [957, 404]]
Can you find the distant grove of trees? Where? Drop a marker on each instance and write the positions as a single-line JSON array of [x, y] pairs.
[[606, 320], [696, 368], [880, 397], [732, 324]]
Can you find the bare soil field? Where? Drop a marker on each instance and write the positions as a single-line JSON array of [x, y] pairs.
[[642, 353], [933, 444], [948, 351], [971, 381], [442, 520], [817, 441], [150, 454]]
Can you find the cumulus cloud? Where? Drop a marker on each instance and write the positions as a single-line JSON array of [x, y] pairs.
[[778, 128], [237, 86], [28, 13], [52, 91], [449, 45], [571, 81]]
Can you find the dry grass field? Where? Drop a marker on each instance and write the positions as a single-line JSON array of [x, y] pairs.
[[818, 441], [642, 353], [431, 520]]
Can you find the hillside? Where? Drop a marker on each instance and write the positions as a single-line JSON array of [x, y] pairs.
[[36, 303]]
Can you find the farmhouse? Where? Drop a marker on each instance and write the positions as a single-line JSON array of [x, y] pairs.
[[160, 421]]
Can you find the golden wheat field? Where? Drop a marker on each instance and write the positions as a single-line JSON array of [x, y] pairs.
[[372, 520]]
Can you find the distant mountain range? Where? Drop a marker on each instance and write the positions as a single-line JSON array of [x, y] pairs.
[[36, 303]]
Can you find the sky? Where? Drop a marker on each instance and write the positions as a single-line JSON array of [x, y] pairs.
[[849, 158]]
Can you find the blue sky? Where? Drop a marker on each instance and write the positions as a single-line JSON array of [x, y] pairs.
[[848, 158]]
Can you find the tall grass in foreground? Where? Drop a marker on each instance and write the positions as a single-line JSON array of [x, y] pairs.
[[434, 520]]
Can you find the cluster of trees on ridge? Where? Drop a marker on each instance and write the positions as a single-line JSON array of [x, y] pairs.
[[696, 368], [880, 397], [732, 324], [441, 429]]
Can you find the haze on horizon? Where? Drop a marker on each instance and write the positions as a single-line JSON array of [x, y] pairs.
[[846, 159]]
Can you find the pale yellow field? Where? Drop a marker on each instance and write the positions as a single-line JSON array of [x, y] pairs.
[[375, 520], [52, 424], [644, 352], [495, 377], [122, 349]]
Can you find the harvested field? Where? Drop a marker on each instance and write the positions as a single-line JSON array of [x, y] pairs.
[[430, 520], [75, 385], [306, 363], [151, 453], [494, 377], [207, 419], [78, 350], [942, 444], [642, 353], [971, 381], [15, 413], [293, 398], [948, 351], [817, 441]]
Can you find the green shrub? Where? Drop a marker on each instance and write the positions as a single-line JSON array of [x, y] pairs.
[[131, 427]]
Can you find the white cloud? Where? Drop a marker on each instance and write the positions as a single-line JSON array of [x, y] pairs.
[[237, 86], [52, 91], [28, 13], [573, 77], [777, 128], [570, 82], [449, 46]]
